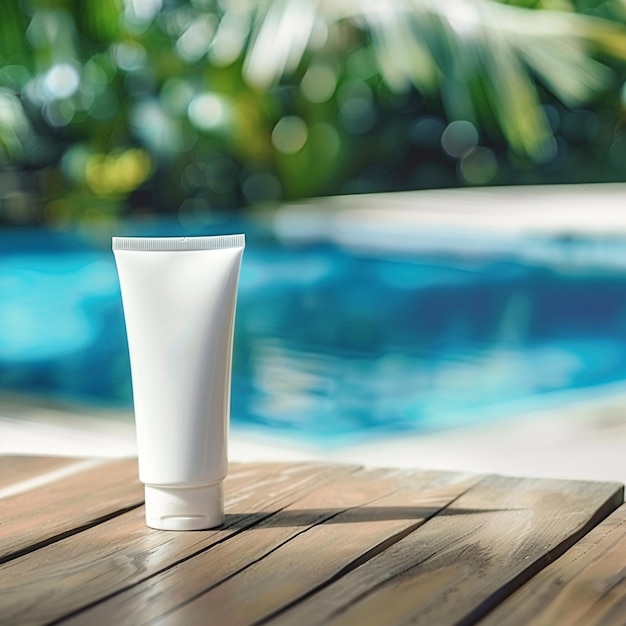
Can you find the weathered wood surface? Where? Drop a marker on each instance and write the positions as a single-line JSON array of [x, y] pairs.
[[15, 470], [585, 587], [122, 551], [302, 544], [35, 517], [464, 561]]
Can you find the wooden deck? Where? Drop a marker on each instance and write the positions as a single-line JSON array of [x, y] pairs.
[[311, 544]]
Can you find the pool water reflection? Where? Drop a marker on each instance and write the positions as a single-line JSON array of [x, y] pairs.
[[331, 343]]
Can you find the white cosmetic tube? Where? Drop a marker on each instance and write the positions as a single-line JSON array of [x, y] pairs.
[[179, 296]]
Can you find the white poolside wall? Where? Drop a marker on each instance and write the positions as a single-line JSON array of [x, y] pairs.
[[585, 437]]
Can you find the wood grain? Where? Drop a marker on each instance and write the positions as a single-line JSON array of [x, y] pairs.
[[39, 516], [289, 555], [64, 577], [314, 544], [464, 561], [584, 587], [14, 469]]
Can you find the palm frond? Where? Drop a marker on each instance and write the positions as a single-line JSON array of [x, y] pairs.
[[444, 45], [280, 40], [14, 126]]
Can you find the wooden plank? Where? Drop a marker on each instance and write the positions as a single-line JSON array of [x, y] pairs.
[[585, 587], [16, 469], [285, 557], [64, 577], [464, 561], [49, 512]]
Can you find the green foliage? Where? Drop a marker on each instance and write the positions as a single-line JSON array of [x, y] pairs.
[[190, 107]]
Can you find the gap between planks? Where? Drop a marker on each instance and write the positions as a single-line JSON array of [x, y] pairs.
[[351, 519], [457, 568], [110, 557], [290, 515]]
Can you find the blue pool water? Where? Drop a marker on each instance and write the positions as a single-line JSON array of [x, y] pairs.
[[332, 343]]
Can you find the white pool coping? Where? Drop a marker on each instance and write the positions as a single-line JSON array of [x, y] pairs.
[[568, 210]]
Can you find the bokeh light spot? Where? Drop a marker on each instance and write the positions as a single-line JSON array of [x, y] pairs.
[[58, 113], [207, 111], [193, 44], [426, 131], [129, 55], [459, 137], [319, 83], [73, 162], [361, 63], [230, 38], [142, 11], [152, 124], [478, 166], [290, 134], [117, 173], [176, 95], [60, 81]]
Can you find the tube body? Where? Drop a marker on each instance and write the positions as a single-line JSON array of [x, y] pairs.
[[179, 296]]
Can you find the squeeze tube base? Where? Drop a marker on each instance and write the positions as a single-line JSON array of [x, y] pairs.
[[179, 296], [181, 508]]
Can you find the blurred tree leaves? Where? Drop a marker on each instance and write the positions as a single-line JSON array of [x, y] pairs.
[[195, 106]]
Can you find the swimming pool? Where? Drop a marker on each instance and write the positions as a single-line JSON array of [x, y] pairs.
[[333, 341]]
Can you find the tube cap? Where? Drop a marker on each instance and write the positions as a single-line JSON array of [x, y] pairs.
[[182, 508]]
